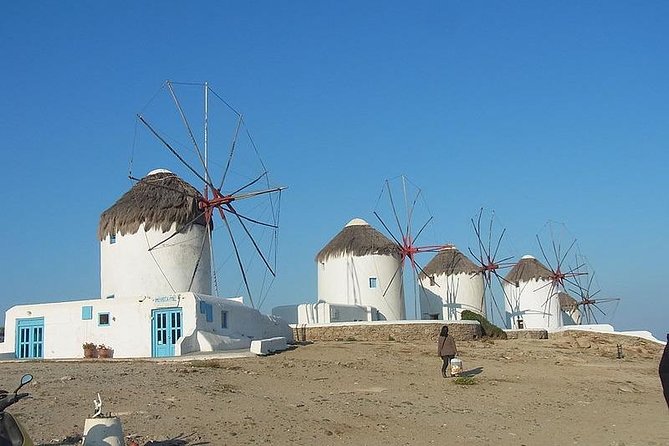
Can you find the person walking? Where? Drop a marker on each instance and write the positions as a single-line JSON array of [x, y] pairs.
[[446, 349], [664, 371]]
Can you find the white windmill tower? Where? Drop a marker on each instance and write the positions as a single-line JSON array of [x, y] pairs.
[[532, 301], [451, 284], [358, 267], [154, 209]]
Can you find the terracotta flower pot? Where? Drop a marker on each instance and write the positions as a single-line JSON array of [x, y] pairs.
[[89, 353], [104, 353]]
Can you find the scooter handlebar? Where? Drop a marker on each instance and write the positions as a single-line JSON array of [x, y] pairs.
[[11, 398]]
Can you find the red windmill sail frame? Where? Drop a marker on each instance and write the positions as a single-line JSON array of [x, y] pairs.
[[588, 298], [489, 265], [559, 276], [219, 201], [406, 242]]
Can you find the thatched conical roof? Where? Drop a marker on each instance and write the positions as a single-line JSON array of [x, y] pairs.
[[526, 269], [566, 301], [159, 200], [449, 261], [358, 238]]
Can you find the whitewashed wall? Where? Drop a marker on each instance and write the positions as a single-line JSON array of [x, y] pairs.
[[455, 293], [244, 324], [345, 280], [129, 331], [324, 313], [128, 268], [536, 302], [288, 313]]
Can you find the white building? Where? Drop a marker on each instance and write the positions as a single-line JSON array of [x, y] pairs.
[[531, 297], [359, 279], [155, 288], [450, 284]]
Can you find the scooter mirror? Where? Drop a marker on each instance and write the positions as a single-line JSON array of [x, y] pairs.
[[25, 379]]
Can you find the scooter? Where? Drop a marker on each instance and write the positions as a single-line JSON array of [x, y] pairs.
[[11, 431]]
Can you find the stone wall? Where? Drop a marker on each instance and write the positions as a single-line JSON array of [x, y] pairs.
[[386, 331], [527, 333]]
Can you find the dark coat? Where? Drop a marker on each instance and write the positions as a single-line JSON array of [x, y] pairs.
[[664, 371], [446, 346], [664, 362]]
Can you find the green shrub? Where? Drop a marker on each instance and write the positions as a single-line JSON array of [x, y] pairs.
[[488, 328], [464, 380]]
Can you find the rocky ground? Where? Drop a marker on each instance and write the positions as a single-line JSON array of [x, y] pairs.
[[567, 390]]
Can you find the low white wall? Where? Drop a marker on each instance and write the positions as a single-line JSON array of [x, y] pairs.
[[288, 313], [325, 313], [607, 328], [348, 313], [242, 322]]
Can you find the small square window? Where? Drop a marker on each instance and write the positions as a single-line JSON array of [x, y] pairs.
[[372, 282], [224, 319], [103, 319], [432, 281], [210, 313], [112, 239], [86, 313], [111, 296]]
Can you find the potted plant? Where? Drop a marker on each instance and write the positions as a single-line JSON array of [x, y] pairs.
[[104, 351], [89, 350]]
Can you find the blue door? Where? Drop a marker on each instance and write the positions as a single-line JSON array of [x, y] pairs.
[[30, 338], [166, 330]]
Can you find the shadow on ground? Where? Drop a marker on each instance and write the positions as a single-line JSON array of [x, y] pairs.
[[181, 440], [472, 372]]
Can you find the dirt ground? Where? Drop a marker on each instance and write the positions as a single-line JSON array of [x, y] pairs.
[[569, 390]]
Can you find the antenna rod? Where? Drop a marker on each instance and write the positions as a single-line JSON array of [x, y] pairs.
[[206, 125]]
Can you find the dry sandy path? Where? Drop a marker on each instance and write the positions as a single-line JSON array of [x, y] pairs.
[[549, 392]]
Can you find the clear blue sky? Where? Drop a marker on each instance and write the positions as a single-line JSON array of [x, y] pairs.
[[538, 110]]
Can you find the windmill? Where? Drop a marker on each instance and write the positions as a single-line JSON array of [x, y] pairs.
[[400, 205], [221, 157], [589, 304], [536, 290], [563, 271], [489, 241]]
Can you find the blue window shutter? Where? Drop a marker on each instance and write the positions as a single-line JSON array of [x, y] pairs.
[[86, 313]]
